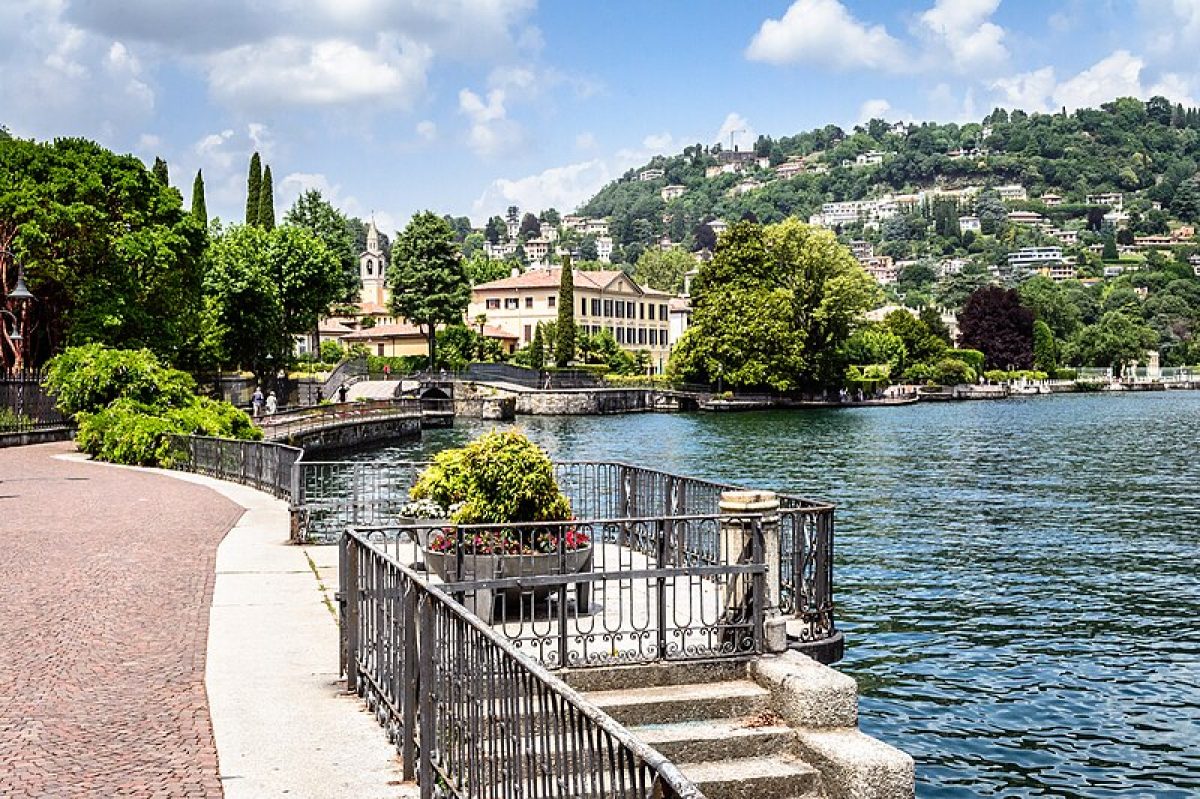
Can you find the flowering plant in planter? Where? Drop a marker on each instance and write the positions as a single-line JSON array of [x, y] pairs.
[[500, 478]]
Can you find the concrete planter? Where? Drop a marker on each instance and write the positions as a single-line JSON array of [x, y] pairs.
[[495, 567]]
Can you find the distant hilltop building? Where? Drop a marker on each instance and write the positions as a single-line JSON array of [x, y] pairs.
[[1113, 199]]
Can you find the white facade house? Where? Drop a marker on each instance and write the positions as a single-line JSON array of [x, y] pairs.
[[651, 174], [1012, 193], [864, 211], [604, 249], [1113, 199], [971, 223], [672, 192], [1030, 258]]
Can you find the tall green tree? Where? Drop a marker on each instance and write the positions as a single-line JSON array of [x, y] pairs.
[[109, 251], [314, 213], [253, 186], [1116, 340], [773, 309], [266, 202], [1045, 357], [243, 310], [199, 207], [428, 281], [537, 351], [663, 269], [564, 346], [160, 171]]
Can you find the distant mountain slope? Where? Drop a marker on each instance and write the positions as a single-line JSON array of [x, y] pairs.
[[1150, 148]]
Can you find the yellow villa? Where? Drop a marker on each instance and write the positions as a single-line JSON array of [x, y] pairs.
[[637, 316]]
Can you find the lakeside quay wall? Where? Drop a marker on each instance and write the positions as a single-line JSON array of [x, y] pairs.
[[357, 433], [493, 400]]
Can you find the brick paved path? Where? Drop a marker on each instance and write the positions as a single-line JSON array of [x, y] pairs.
[[106, 576]]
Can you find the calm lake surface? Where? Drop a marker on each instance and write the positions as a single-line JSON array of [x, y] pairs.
[[1017, 580]]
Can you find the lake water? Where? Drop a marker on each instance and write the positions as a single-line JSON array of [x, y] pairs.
[[1017, 580]]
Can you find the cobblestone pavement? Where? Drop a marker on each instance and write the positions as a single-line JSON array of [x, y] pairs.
[[106, 576]]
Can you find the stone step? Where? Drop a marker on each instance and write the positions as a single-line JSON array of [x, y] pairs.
[[754, 778], [717, 739], [651, 674], [689, 702]]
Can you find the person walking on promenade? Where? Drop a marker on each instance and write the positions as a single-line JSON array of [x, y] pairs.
[[342, 393], [272, 404], [256, 401]]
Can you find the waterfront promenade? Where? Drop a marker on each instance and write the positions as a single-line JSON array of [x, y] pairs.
[[160, 638]]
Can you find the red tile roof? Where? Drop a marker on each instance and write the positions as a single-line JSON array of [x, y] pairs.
[[385, 331], [549, 278]]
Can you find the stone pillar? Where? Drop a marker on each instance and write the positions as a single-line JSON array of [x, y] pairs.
[[735, 539]]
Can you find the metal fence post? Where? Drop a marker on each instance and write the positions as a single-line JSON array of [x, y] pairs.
[[352, 598], [408, 744], [426, 645]]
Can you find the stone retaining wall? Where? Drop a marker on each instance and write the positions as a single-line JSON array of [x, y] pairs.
[[36, 437], [357, 433]]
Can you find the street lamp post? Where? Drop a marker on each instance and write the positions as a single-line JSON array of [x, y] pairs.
[[15, 307]]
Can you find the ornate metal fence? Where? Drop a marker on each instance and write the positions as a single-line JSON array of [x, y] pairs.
[[260, 464], [468, 712], [25, 405]]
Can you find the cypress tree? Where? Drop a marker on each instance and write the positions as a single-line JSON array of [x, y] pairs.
[[1044, 358], [564, 347], [199, 209], [537, 352], [1110, 248], [253, 185], [160, 171], [266, 202]]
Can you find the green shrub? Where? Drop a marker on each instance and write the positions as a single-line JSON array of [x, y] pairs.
[[128, 405], [973, 358], [952, 372], [500, 477], [88, 378], [400, 364], [331, 352], [1066, 374]]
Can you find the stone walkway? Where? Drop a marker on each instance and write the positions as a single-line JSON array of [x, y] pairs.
[[144, 612], [106, 576]]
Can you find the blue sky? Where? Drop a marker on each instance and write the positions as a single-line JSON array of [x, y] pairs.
[[467, 106]]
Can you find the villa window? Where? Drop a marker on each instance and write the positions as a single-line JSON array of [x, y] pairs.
[[641, 335], [662, 313], [653, 338], [641, 310], [493, 304], [512, 303], [595, 307], [620, 310], [629, 307], [552, 301], [583, 307], [608, 309], [529, 302]]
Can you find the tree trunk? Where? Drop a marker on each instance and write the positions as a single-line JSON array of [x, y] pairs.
[[432, 337]]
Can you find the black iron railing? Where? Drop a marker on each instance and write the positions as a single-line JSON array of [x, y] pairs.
[[470, 715], [283, 426], [264, 465], [25, 405]]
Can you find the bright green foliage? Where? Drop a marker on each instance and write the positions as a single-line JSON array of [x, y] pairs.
[[253, 186], [459, 345], [426, 275], [500, 477], [973, 358], [773, 308], [1110, 249], [108, 250], [89, 378], [952, 372], [1045, 356], [263, 287], [663, 269], [920, 342], [481, 269], [266, 202], [199, 208], [933, 320], [564, 345], [314, 212], [332, 352], [1114, 341], [602, 347], [875, 344], [537, 352], [160, 172], [1052, 303], [127, 405]]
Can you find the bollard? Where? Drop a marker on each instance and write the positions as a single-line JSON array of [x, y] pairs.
[[736, 547]]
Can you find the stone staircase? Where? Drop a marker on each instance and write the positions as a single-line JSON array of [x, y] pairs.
[[372, 390], [776, 728]]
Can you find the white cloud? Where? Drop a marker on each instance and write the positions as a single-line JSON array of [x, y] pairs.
[[824, 32], [491, 132], [585, 141], [658, 142], [1171, 29], [739, 128], [873, 109], [1030, 91], [965, 30], [561, 187], [1116, 75], [427, 130], [292, 72], [149, 142]]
